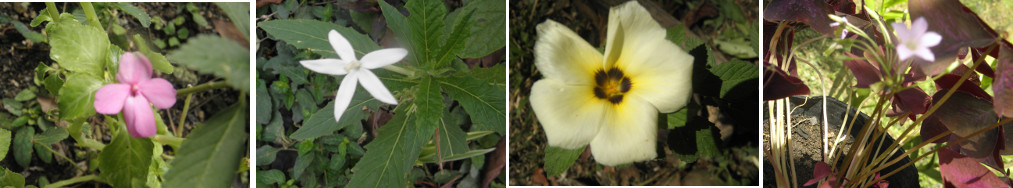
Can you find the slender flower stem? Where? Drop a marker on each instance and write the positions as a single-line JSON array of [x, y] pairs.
[[400, 70], [66, 182], [51, 8], [89, 12], [64, 157], [200, 88], [173, 141], [182, 118]]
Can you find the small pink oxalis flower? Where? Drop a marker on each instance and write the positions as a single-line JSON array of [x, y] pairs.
[[133, 94]]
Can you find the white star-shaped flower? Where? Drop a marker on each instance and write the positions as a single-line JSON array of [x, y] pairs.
[[355, 70]]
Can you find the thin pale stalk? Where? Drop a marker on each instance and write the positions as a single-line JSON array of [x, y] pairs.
[[182, 118], [89, 12], [200, 88], [71, 181]]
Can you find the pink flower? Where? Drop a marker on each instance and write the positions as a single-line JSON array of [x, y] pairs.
[[132, 95], [916, 41]]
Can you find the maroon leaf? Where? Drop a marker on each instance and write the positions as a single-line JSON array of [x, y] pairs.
[[777, 84], [958, 26], [1003, 84], [962, 171], [812, 12], [947, 81], [820, 171], [932, 127], [865, 72], [964, 114], [977, 54], [912, 100]]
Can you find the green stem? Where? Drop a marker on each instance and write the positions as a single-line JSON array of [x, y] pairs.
[[64, 157], [53, 12], [66, 182], [173, 141], [182, 118], [400, 70], [202, 87], [89, 12]]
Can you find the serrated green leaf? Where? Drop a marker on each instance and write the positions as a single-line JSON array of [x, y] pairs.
[[452, 140], [557, 160], [312, 35], [266, 155], [77, 47], [303, 161], [23, 146], [323, 122], [429, 102], [25, 95], [78, 95], [483, 100], [679, 36], [137, 13], [125, 160], [12, 179], [734, 72], [158, 61], [44, 155], [52, 135], [677, 119], [210, 54], [5, 143], [43, 16], [53, 84], [239, 13], [391, 155], [488, 27], [270, 177], [210, 156], [264, 103]]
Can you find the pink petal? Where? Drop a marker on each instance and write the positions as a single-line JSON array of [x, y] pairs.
[[919, 26], [903, 53], [109, 99], [159, 91], [930, 39], [925, 54], [345, 92], [139, 118], [903, 33], [134, 68]]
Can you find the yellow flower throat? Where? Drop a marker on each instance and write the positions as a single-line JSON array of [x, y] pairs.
[[611, 85]]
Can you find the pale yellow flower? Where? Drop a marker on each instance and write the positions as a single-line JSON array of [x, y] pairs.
[[612, 101]]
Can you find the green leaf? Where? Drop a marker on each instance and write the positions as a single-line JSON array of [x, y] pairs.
[[12, 179], [42, 16], [78, 95], [52, 135], [25, 95], [303, 161], [428, 102], [210, 54], [452, 140], [23, 146], [77, 47], [679, 36], [455, 157], [266, 155], [158, 62], [135, 12], [483, 100], [477, 134], [28, 33], [390, 157], [264, 105], [312, 35], [557, 160], [210, 156], [125, 160], [270, 177], [488, 27], [736, 47], [45, 155], [5, 143], [323, 123], [677, 119], [53, 84], [239, 13], [734, 72]]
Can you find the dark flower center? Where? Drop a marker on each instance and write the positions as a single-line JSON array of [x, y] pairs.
[[610, 85]]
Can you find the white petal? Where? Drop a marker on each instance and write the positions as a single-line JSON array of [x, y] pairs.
[[925, 54], [629, 134], [629, 24], [325, 66], [562, 55], [903, 52], [903, 33], [375, 87], [345, 92], [570, 115], [660, 71], [383, 57], [919, 26], [930, 39], [341, 46]]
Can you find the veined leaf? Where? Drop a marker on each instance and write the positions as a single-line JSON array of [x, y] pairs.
[[210, 54], [5, 143], [390, 157], [557, 160], [484, 101], [77, 47], [488, 27], [78, 95], [429, 102], [23, 146], [734, 72], [135, 12], [452, 140], [209, 156], [125, 160], [455, 157], [52, 135], [312, 35], [323, 122], [239, 13]]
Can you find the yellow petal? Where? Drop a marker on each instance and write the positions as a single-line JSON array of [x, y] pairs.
[[629, 133], [660, 71], [562, 55], [569, 114]]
